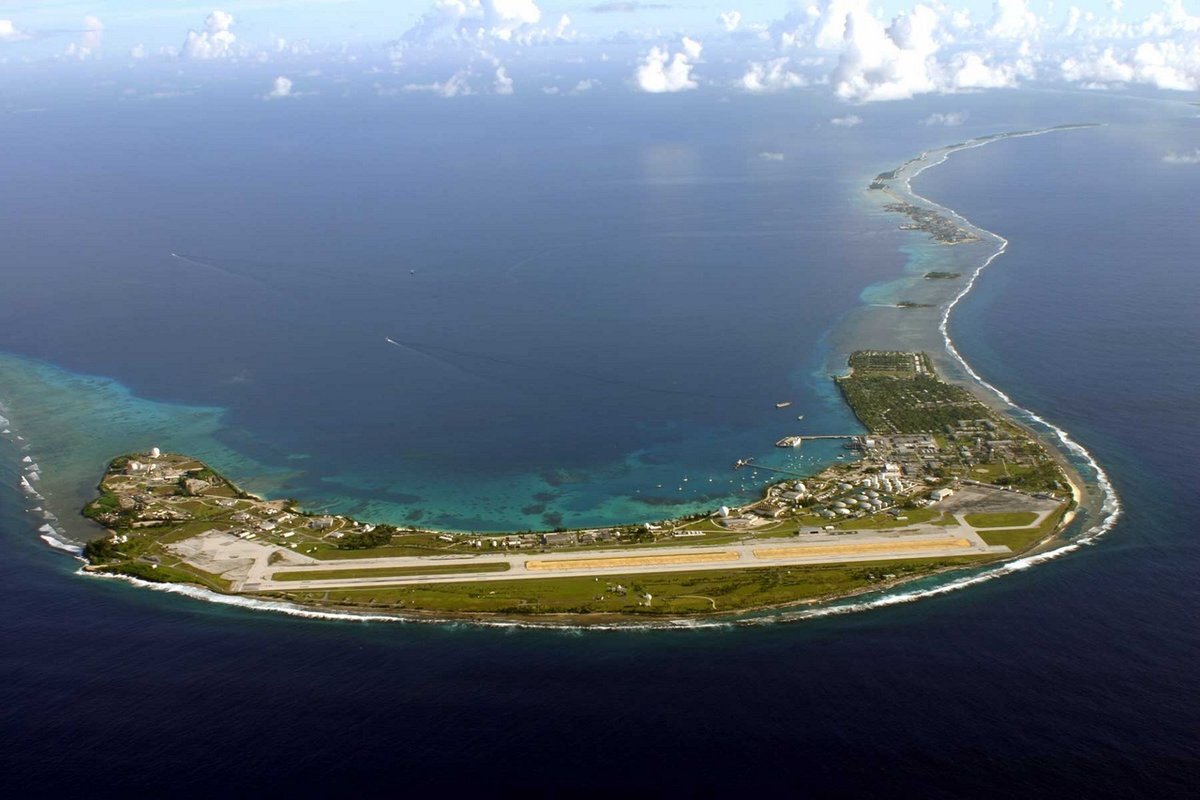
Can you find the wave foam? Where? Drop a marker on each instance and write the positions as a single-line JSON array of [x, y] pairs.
[[53, 537], [1111, 508]]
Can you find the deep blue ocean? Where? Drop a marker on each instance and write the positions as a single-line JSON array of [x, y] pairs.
[[594, 302]]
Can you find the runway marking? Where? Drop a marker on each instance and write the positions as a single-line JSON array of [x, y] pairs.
[[546, 565], [859, 548]]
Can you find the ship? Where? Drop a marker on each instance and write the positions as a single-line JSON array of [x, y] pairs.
[[790, 441], [784, 404]]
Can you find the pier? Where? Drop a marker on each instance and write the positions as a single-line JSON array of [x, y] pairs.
[[749, 462]]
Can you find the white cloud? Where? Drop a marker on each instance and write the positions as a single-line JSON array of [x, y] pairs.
[[692, 48], [9, 32], [848, 121], [730, 20], [280, 87], [585, 85], [1183, 158], [771, 156], [890, 63], [457, 85], [661, 72], [1103, 67], [502, 84], [971, 70], [215, 41], [949, 119], [482, 20], [1013, 19], [771, 76], [93, 32], [1168, 65], [933, 47]]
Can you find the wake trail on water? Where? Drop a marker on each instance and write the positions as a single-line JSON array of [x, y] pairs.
[[1111, 508]]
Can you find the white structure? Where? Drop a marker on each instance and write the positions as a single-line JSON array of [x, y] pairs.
[[723, 512], [941, 494], [155, 452]]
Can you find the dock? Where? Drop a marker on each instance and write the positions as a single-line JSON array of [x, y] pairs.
[[749, 462]]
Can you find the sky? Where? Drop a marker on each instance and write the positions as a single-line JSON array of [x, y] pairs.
[[861, 51]]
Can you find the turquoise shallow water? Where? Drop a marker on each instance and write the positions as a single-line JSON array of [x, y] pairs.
[[1074, 676]]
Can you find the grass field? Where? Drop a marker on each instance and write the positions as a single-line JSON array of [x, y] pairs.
[[1000, 519], [1023, 538], [671, 593], [390, 572]]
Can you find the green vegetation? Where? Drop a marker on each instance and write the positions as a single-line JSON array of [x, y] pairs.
[[671, 593], [896, 363], [108, 511], [162, 573], [919, 404], [883, 520], [942, 276], [1024, 538], [390, 572], [377, 537], [1001, 519]]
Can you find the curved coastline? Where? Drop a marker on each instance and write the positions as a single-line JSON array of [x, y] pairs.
[[1110, 503], [902, 591]]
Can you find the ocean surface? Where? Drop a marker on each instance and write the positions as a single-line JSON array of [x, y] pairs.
[[590, 309]]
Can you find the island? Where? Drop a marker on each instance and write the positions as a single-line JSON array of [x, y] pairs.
[[941, 482], [939, 227]]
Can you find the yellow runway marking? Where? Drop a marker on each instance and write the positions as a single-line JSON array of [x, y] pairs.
[[859, 548], [632, 561]]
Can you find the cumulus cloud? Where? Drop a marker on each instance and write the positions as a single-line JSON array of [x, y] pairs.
[[771, 76], [1183, 158], [890, 63], [627, 7], [93, 32], [848, 121], [1013, 19], [949, 119], [215, 41], [517, 21], [660, 71], [933, 47], [771, 156], [1161, 50], [457, 85], [9, 32], [280, 87], [502, 83], [730, 20]]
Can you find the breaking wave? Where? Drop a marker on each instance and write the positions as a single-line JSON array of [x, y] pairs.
[[1110, 506]]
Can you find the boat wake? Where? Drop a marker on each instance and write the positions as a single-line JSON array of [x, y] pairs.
[[1110, 510]]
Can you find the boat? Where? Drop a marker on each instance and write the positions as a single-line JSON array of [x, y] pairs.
[[790, 441], [800, 417], [784, 404]]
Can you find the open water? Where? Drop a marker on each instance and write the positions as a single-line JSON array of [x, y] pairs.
[[592, 312]]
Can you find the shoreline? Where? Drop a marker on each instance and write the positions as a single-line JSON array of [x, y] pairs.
[[1110, 508], [839, 603]]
